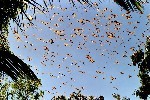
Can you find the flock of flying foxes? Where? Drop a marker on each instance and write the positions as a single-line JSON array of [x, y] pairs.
[[91, 31]]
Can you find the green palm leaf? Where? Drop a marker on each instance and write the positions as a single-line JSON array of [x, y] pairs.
[[15, 67], [130, 5]]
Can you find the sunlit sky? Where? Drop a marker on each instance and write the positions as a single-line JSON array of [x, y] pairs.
[[86, 48]]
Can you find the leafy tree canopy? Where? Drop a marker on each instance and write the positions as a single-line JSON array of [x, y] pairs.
[[22, 89], [142, 59]]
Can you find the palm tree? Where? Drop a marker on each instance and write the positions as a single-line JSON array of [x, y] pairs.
[[130, 5], [11, 64]]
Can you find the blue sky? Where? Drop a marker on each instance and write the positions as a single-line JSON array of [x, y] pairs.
[[66, 65]]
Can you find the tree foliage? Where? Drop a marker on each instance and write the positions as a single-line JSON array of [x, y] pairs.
[[130, 5], [22, 89], [77, 96], [10, 9], [118, 97], [9, 63], [142, 59]]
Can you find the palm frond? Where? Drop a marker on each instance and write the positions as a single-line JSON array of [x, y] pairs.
[[10, 10], [9, 63], [15, 67], [130, 5]]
